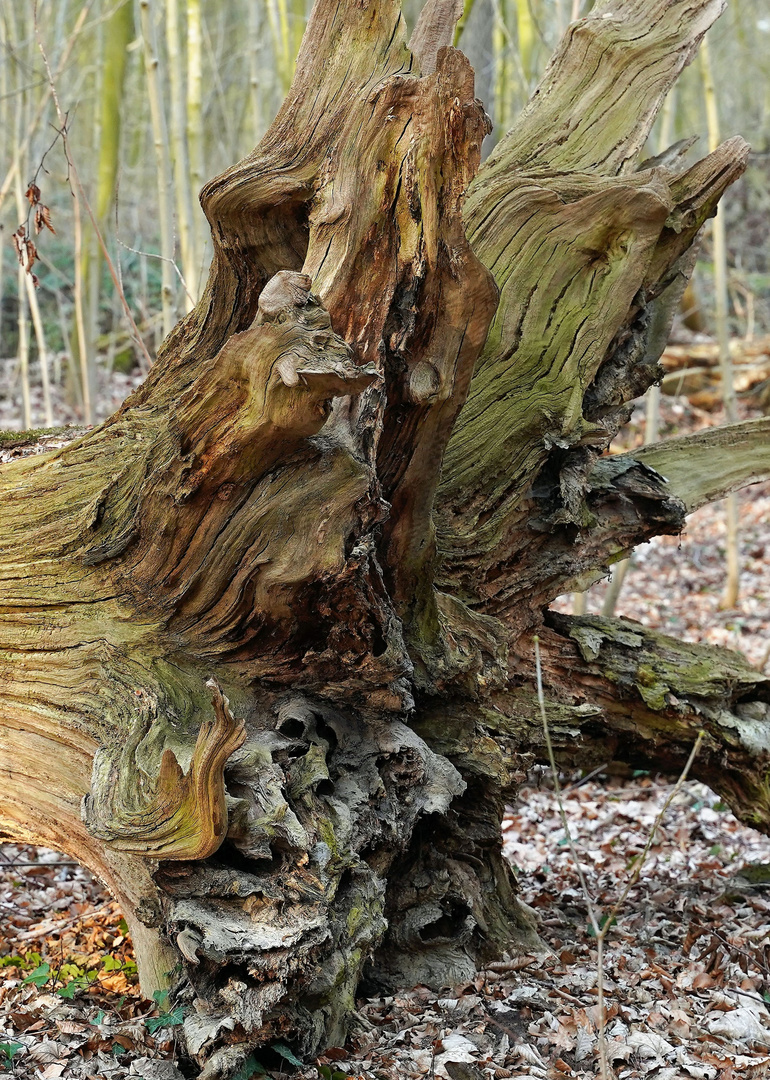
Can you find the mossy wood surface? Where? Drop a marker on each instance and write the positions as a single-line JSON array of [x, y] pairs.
[[266, 634]]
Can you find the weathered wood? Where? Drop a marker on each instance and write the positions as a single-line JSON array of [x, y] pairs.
[[708, 465], [617, 692], [560, 214], [588, 513], [228, 681]]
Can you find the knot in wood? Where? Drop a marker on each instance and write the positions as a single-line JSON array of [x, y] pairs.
[[284, 293], [424, 382]]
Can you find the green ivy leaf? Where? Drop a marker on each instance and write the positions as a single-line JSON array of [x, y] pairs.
[[169, 1019], [40, 975], [251, 1067], [10, 1048], [70, 971], [285, 1052], [12, 961], [602, 923], [68, 991]]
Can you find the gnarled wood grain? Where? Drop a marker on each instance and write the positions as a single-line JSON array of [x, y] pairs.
[[262, 513]]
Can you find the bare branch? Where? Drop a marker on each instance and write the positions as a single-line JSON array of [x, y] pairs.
[[708, 465]]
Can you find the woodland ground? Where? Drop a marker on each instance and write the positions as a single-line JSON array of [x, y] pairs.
[[687, 965]]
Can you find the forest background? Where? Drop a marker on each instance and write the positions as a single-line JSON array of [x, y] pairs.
[[160, 96]]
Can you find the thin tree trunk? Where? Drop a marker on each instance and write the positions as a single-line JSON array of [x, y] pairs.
[[525, 38], [21, 284], [22, 148], [732, 545], [504, 50], [85, 368], [165, 179], [278, 14], [195, 131], [117, 34], [256, 86], [179, 127], [6, 127], [90, 255], [42, 351], [23, 349]]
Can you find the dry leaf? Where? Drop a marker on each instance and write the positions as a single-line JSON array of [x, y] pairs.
[[71, 1027], [47, 1052], [648, 1045], [528, 1054], [743, 1025], [584, 1043], [54, 1070], [43, 220]]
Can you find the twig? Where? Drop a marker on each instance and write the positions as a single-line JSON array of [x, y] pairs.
[[45, 864], [160, 258], [503, 1027], [566, 996], [671, 796], [600, 932], [745, 993], [603, 1062], [585, 779], [557, 789], [735, 948], [51, 927]]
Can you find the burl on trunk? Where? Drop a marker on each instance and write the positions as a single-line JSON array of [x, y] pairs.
[[266, 634]]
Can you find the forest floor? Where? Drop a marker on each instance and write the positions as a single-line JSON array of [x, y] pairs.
[[687, 964], [686, 970]]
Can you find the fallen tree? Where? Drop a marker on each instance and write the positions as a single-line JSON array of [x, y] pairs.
[[266, 634]]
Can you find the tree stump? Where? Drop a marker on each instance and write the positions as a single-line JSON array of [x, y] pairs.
[[266, 660]]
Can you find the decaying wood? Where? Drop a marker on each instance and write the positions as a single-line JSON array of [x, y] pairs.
[[748, 351], [693, 370], [176, 814], [240, 676], [654, 694]]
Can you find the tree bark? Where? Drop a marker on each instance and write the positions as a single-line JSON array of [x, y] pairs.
[[265, 635]]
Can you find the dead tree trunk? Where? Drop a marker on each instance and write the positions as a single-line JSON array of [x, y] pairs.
[[266, 634]]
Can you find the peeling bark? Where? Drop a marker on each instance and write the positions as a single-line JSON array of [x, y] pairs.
[[240, 678]]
